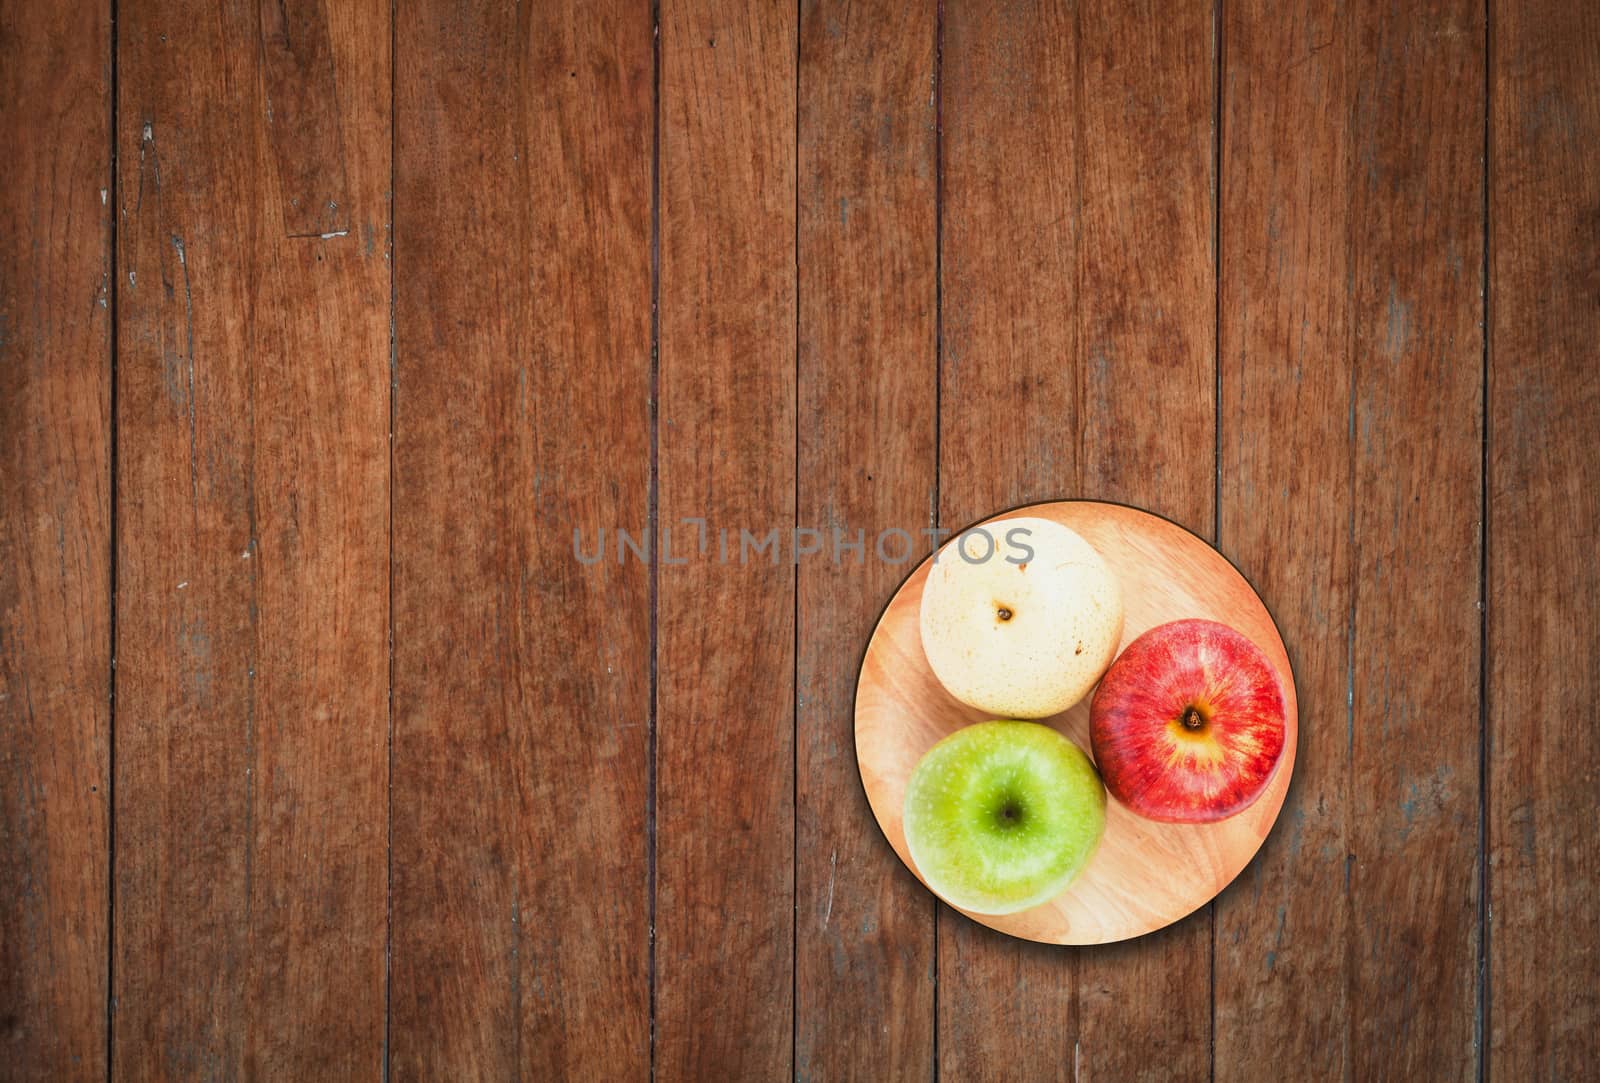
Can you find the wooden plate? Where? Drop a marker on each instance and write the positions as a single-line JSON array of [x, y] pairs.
[[1145, 875]]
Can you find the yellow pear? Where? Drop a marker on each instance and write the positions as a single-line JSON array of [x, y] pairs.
[[1020, 617]]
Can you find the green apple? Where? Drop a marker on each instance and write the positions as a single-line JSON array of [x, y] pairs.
[[1002, 815], [1020, 618]]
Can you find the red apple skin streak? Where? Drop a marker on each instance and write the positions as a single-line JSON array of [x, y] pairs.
[[1155, 765]]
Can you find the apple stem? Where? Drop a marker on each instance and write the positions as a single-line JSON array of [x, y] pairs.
[[1192, 718]]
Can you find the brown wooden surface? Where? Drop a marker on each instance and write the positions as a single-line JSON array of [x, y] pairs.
[[385, 782], [1367, 416], [1543, 581], [1145, 361], [252, 569], [1008, 419], [521, 678], [1415, 247], [459, 534], [1077, 360], [868, 284], [55, 541], [1285, 393], [725, 718]]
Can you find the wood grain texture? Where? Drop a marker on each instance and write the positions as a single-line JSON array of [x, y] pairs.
[[1144, 875], [867, 385], [460, 521], [1285, 410], [193, 884], [1077, 179], [522, 675], [584, 694], [302, 100], [1544, 517], [55, 540], [1146, 362], [1394, 179], [252, 567], [1008, 422], [725, 709], [1417, 240]]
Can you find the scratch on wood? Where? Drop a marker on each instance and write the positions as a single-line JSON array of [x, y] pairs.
[[1399, 324], [147, 138], [188, 327], [1277, 939], [833, 868]]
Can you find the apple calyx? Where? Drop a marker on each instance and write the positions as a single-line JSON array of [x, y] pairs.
[[1192, 719]]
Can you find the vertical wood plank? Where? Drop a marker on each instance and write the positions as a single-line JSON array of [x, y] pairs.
[[725, 752], [1146, 364], [522, 675], [1409, 217], [585, 711], [1009, 417], [460, 493], [1544, 516], [868, 387], [1008, 386], [1417, 226], [1285, 513], [55, 539], [1078, 360], [303, 122], [252, 564]]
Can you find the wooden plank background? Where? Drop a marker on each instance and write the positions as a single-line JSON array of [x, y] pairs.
[[251, 558], [435, 442]]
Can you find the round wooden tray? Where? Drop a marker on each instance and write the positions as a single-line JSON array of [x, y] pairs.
[[1145, 875]]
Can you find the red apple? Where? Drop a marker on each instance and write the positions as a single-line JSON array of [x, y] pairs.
[[1188, 723]]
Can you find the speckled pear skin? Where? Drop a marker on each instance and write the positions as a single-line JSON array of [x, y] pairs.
[[1015, 635]]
